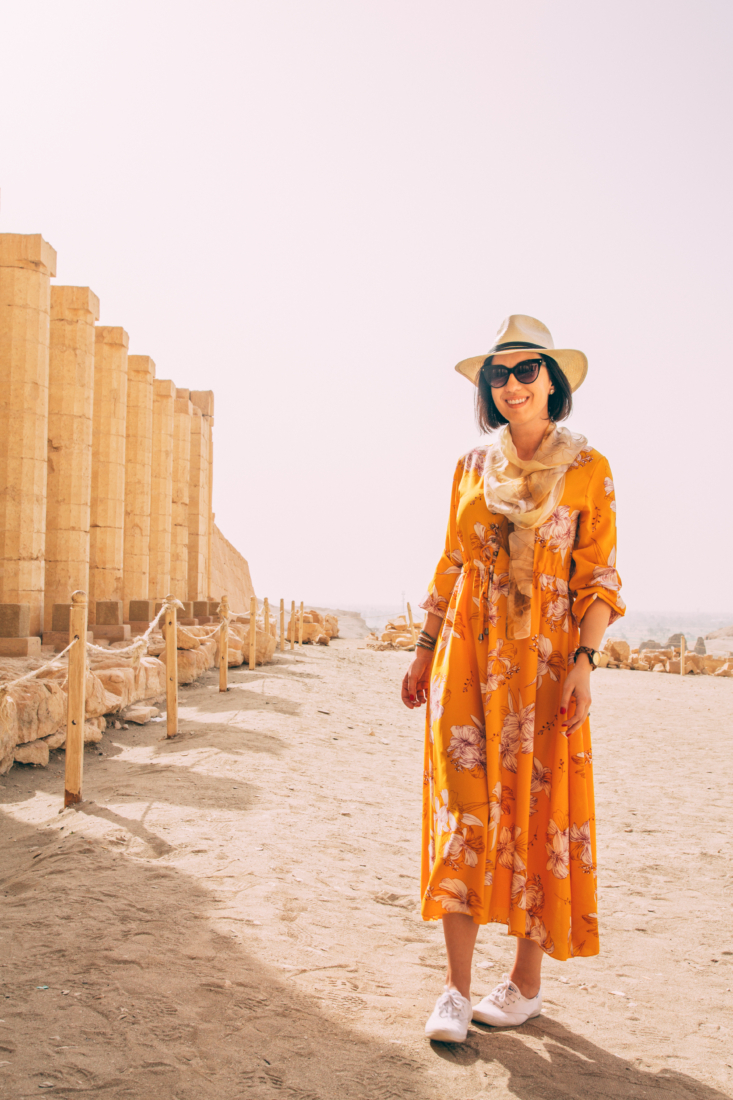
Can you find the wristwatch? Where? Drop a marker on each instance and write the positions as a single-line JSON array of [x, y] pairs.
[[592, 655]]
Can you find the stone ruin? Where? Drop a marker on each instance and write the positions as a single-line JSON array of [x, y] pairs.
[[396, 635], [318, 629], [617, 653], [106, 477]]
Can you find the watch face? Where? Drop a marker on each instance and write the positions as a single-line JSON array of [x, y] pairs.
[[596, 657]]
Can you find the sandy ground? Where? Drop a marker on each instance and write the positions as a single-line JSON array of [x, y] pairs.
[[234, 913]]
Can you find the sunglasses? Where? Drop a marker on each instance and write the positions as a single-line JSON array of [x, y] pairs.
[[525, 372]]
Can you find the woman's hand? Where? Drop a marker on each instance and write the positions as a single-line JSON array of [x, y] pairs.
[[577, 688], [417, 679]]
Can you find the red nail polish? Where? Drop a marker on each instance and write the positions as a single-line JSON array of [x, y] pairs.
[[562, 710]]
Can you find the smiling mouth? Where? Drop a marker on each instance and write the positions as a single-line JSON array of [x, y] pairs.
[[516, 402]]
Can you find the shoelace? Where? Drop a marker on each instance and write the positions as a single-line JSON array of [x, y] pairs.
[[450, 1003], [505, 993]]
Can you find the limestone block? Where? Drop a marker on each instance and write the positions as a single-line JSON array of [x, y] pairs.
[[26, 265], [120, 683], [40, 709], [92, 734], [34, 752], [149, 679], [15, 619], [107, 506], [60, 618], [70, 418], [56, 740], [617, 649], [138, 477], [142, 611], [20, 647], [140, 714], [332, 626], [112, 633], [109, 613], [316, 617], [213, 606], [201, 608], [322, 639], [97, 700], [204, 401], [161, 506], [310, 630], [192, 663]]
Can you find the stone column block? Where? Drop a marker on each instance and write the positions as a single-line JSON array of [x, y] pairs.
[[74, 309], [198, 495], [183, 412], [109, 613], [107, 511], [204, 400], [26, 266], [15, 620], [161, 505], [138, 478]]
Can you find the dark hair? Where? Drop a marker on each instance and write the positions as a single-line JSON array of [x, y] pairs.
[[559, 403]]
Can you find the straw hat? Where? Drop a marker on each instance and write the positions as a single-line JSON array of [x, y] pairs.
[[518, 332]]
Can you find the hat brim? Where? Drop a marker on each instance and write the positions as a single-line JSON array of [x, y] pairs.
[[573, 364]]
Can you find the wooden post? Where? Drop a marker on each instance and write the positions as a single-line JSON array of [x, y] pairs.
[[292, 624], [412, 625], [682, 655], [223, 643], [170, 620], [266, 615], [77, 677], [300, 625], [282, 625], [253, 632]]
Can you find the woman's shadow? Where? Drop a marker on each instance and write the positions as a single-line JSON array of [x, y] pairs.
[[569, 1066]]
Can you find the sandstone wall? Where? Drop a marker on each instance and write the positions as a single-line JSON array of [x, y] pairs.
[[229, 573]]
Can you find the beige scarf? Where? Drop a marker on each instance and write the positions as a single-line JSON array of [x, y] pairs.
[[527, 493]]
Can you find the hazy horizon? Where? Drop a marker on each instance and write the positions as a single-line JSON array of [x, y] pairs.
[[317, 210]]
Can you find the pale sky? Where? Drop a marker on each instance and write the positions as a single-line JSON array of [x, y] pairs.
[[317, 208]]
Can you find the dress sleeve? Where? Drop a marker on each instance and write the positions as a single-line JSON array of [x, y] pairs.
[[594, 574], [449, 567]]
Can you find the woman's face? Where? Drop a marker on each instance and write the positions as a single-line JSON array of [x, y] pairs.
[[522, 403]]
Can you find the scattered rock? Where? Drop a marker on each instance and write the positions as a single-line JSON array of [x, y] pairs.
[[140, 714], [32, 752]]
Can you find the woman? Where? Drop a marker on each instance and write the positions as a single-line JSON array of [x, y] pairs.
[[516, 612]]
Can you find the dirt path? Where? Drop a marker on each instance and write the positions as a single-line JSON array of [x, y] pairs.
[[235, 913]]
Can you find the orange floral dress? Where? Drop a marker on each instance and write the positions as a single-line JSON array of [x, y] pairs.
[[508, 809]]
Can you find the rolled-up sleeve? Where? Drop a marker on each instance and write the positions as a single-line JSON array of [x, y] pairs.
[[449, 567], [594, 575]]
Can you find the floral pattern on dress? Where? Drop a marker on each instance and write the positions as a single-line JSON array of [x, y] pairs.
[[509, 818]]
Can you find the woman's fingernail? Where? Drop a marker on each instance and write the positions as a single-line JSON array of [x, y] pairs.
[[562, 710]]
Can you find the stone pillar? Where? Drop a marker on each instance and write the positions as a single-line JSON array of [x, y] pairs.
[[107, 511], [197, 496], [181, 475], [204, 401], [138, 478], [26, 266], [74, 309], [161, 498]]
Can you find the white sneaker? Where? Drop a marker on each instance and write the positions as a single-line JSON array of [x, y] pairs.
[[450, 1018], [505, 1006]]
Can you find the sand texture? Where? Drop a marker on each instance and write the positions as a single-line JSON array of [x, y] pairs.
[[234, 913]]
